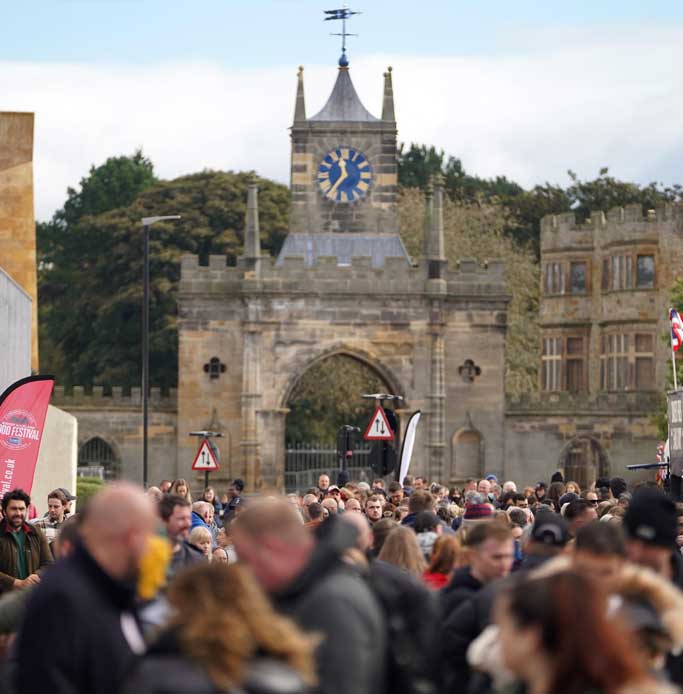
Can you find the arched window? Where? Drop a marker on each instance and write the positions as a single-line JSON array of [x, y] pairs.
[[466, 455], [97, 459]]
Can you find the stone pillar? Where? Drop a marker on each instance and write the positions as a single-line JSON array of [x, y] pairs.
[[251, 398], [273, 448], [17, 220], [437, 396]]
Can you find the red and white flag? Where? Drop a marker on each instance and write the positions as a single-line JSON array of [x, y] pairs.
[[676, 329], [23, 408]]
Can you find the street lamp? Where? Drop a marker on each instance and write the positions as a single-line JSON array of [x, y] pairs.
[[147, 223]]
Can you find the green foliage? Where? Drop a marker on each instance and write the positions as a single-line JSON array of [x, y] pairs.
[[87, 487], [90, 277], [328, 396]]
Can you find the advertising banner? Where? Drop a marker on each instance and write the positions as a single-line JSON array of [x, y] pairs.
[[675, 412], [23, 407]]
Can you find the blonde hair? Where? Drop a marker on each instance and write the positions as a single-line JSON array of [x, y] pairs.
[[223, 619], [402, 549], [199, 534]]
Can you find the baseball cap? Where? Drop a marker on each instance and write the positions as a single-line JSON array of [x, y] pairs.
[[69, 496], [652, 518], [491, 478], [550, 529]]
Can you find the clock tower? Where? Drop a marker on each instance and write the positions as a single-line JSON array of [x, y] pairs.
[[344, 172]]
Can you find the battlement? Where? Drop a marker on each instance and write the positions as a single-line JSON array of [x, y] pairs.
[[326, 275], [635, 403], [80, 398], [630, 214]]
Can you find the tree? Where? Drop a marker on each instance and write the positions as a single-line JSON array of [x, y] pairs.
[[90, 282]]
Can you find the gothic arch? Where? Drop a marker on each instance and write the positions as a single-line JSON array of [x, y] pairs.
[[96, 450], [583, 459], [341, 349], [467, 452]]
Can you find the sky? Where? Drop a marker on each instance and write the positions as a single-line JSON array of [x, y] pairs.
[[527, 89]]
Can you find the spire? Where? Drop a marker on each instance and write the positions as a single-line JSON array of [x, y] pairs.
[[429, 217], [252, 235], [300, 107], [344, 103], [388, 101], [435, 246]]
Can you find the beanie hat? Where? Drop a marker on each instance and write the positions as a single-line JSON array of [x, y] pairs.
[[475, 512], [491, 478], [618, 486], [567, 498], [557, 477], [652, 518]]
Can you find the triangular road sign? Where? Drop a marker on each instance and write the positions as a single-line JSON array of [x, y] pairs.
[[205, 458], [379, 429]]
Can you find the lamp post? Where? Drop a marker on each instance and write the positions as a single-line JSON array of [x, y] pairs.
[[146, 224]]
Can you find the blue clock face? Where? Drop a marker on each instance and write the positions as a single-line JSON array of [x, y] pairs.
[[344, 175]]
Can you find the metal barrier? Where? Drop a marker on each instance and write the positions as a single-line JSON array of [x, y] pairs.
[[305, 462]]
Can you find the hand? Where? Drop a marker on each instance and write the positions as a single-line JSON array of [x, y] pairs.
[[33, 580], [342, 177]]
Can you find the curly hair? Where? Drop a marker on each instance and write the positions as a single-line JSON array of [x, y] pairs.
[[223, 619]]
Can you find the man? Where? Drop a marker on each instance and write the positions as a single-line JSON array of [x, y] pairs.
[[24, 551], [165, 486], [331, 505], [420, 500], [521, 501], [470, 486], [70, 498], [548, 539], [234, 499], [651, 524], [509, 486], [484, 488], [309, 581], [491, 557], [201, 514], [395, 493], [378, 485], [373, 508], [176, 517], [600, 552], [579, 513], [420, 483], [85, 606], [56, 510], [323, 484], [352, 506]]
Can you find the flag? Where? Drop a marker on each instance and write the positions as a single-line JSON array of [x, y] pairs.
[[676, 329], [23, 408]]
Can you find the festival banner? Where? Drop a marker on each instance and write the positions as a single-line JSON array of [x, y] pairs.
[[23, 408]]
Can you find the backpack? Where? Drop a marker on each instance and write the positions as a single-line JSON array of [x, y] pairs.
[[410, 616]]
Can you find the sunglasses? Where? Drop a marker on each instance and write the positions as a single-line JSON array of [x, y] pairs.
[[594, 502]]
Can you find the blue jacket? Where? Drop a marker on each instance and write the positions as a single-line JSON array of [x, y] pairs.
[[197, 520]]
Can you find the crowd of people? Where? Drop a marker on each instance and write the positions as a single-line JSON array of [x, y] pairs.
[[363, 588]]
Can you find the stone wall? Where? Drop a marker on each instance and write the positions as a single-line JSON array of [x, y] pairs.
[[17, 222]]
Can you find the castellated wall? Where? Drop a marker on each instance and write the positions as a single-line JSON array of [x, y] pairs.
[[269, 326], [17, 222], [117, 420]]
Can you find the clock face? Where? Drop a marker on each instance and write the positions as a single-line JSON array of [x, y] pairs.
[[344, 175]]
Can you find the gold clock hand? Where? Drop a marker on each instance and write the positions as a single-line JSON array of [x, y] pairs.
[[342, 176]]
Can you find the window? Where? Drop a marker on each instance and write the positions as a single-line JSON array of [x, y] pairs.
[[618, 272], [563, 364], [97, 459], [645, 272], [577, 278], [554, 278], [551, 364], [575, 362], [627, 362]]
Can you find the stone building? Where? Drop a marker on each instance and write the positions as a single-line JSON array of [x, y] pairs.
[[603, 359]]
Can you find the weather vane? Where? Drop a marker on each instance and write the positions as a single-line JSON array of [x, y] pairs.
[[344, 13]]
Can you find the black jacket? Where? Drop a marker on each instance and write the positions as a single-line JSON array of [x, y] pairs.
[[165, 670], [331, 598], [72, 639], [462, 586]]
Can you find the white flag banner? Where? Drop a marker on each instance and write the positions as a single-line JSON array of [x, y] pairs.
[[408, 445]]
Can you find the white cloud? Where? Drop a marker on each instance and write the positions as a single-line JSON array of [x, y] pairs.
[[558, 100]]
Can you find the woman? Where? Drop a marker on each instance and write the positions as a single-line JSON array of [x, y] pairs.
[[444, 557], [224, 637], [551, 651], [402, 549], [572, 487], [209, 495], [180, 487]]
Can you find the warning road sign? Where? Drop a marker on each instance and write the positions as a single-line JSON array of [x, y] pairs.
[[205, 458], [379, 429]]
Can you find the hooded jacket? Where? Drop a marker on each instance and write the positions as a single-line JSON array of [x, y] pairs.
[[329, 597]]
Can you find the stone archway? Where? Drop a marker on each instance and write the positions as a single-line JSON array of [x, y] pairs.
[[330, 387], [583, 460], [467, 453], [99, 457]]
